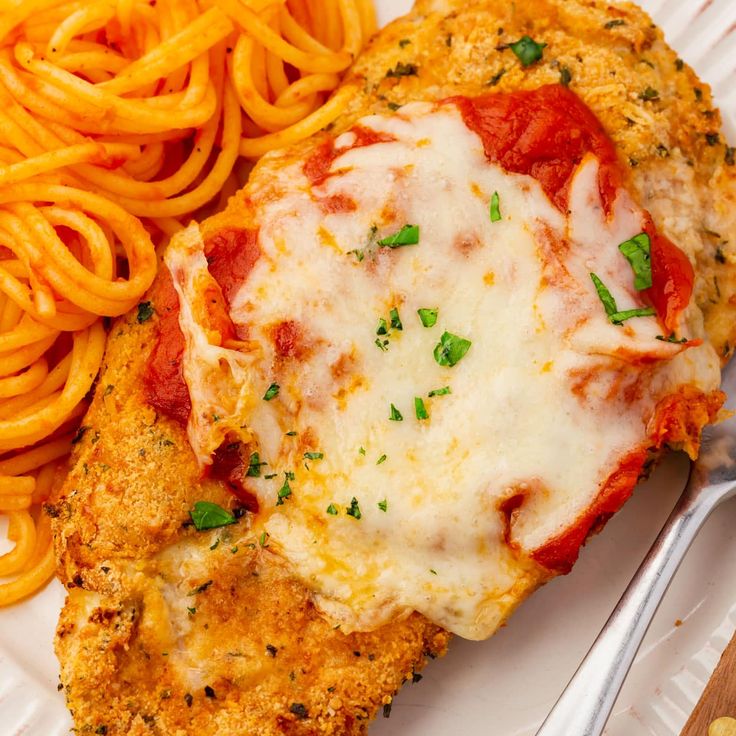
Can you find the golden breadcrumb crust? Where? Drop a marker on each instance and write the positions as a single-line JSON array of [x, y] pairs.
[[170, 631]]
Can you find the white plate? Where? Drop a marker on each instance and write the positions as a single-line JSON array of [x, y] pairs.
[[505, 686]]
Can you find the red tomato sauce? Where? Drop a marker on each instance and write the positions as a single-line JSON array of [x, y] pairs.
[[317, 166], [560, 553], [230, 464], [231, 254], [163, 380], [678, 421], [545, 133]]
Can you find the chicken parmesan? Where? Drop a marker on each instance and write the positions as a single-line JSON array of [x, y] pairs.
[[400, 380]]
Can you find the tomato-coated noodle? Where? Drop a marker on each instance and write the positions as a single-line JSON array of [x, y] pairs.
[[118, 122]]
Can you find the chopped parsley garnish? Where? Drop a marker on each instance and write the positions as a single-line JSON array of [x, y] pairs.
[[395, 319], [565, 76], [208, 515], [382, 328], [649, 94], [451, 349], [145, 312], [495, 208], [285, 490], [712, 139], [382, 345], [383, 505], [403, 70], [428, 316], [254, 466], [404, 42], [440, 392], [496, 78], [262, 539], [270, 476], [381, 460], [637, 253], [332, 510], [271, 392], [527, 50], [618, 317], [419, 409], [361, 450], [191, 610], [359, 254], [671, 338], [408, 235], [434, 572], [609, 303], [292, 433], [201, 588], [614, 23], [395, 415], [314, 455], [354, 509], [730, 157]]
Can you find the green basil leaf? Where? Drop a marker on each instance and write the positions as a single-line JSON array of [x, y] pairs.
[[637, 252], [609, 303], [618, 317], [208, 515]]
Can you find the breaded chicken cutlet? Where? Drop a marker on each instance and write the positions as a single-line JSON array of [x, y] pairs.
[[171, 630]]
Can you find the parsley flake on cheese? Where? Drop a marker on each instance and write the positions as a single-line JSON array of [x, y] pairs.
[[354, 509], [408, 235], [254, 466], [427, 316], [419, 409], [271, 392], [495, 209], [451, 349], [285, 490]]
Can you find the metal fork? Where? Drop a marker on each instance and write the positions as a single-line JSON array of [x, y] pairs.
[[585, 705]]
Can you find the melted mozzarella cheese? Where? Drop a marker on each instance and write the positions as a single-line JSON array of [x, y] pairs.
[[539, 404]]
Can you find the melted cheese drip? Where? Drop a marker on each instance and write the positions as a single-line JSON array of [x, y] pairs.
[[519, 289]]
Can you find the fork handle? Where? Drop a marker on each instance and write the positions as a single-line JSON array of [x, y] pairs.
[[586, 703]]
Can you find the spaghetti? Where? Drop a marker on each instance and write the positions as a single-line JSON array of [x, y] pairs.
[[119, 121]]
